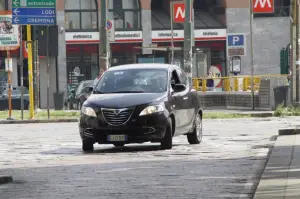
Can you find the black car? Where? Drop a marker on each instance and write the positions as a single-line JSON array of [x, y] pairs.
[[141, 103], [79, 95]]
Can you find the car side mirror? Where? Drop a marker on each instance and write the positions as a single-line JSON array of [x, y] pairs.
[[179, 87]]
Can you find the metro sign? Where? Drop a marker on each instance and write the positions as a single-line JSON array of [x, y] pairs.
[[179, 12], [263, 6]]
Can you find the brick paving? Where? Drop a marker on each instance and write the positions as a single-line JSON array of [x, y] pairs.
[[46, 162]]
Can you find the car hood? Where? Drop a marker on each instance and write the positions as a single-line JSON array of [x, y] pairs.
[[121, 100]]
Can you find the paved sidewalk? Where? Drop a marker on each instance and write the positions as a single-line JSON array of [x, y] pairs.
[[281, 178]]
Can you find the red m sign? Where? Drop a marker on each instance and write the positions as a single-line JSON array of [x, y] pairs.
[[263, 6], [179, 12]]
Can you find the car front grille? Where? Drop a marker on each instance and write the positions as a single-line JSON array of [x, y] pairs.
[[117, 117]]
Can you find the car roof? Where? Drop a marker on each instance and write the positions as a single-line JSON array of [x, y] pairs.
[[141, 66]]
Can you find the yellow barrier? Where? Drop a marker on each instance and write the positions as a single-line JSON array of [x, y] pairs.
[[236, 83]]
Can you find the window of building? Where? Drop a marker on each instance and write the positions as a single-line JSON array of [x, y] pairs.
[[126, 14], [81, 15], [282, 9]]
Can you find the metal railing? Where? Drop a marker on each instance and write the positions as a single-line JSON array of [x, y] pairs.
[[237, 83]]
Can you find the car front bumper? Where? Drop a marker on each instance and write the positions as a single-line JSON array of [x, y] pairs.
[[137, 130]]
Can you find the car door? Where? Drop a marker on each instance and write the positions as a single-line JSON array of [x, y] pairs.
[[187, 115], [177, 103]]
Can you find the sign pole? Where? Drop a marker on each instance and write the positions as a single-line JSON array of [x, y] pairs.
[[172, 31], [30, 71], [21, 73], [48, 81], [298, 54], [251, 55], [8, 65], [188, 40]]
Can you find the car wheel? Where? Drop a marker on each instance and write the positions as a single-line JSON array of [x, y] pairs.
[[87, 146], [167, 142], [196, 136], [119, 144]]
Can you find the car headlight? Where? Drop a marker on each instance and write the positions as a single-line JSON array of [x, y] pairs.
[[152, 109], [88, 111]]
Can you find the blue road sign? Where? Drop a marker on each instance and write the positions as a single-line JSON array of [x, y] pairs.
[[31, 20], [236, 40], [45, 12], [33, 15]]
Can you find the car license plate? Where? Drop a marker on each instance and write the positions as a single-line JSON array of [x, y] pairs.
[[117, 138]]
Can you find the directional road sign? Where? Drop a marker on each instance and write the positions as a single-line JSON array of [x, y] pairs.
[[236, 44], [34, 3], [34, 12]]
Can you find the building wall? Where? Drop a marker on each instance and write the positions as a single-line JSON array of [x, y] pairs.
[[270, 34]]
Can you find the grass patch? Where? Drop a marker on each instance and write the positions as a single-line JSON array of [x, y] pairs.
[[286, 111], [40, 115]]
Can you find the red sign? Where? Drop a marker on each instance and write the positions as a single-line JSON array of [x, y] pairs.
[[179, 12], [263, 6]]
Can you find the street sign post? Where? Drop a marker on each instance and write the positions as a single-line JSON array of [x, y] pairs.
[[110, 27], [236, 44], [34, 12]]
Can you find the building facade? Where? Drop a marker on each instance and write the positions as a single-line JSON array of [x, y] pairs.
[[140, 24]]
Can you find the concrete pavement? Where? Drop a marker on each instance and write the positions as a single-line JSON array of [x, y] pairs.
[[46, 161], [281, 177]]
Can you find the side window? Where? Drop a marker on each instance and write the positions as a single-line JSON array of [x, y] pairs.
[[182, 77]]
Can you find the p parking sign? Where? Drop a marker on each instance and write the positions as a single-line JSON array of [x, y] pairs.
[[236, 44]]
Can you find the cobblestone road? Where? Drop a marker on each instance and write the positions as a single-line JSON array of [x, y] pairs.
[[46, 162]]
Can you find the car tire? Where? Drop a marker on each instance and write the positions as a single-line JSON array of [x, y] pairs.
[[87, 146], [118, 144], [196, 136], [167, 141]]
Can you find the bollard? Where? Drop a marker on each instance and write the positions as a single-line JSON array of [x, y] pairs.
[[203, 85]]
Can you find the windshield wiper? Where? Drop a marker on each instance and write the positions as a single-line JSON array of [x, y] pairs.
[[128, 92]]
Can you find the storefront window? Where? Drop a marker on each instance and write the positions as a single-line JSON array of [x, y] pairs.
[[81, 15], [2, 5], [126, 14], [82, 63]]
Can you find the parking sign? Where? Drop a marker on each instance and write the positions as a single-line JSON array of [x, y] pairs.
[[236, 44]]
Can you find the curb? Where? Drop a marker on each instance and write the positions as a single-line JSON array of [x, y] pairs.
[[290, 131], [261, 115], [37, 121], [5, 179]]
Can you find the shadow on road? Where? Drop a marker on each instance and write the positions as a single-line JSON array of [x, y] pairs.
[[105, 149]]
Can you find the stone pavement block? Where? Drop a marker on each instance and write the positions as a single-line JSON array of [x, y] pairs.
[[274, 179], [5, 179]]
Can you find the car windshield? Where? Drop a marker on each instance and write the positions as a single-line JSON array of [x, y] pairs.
[[133, 81]]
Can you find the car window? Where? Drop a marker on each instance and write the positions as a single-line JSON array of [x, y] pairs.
[[133, 80]]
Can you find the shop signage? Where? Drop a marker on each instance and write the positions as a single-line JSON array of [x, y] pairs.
[[93, 37], [9, 33], [200, 35], [157, 36]]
